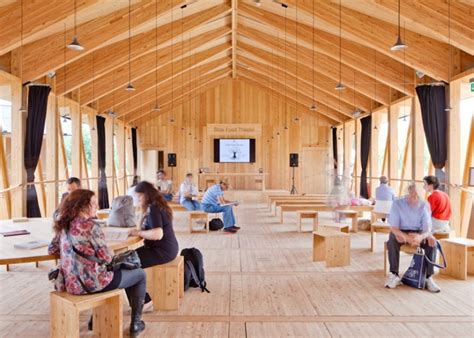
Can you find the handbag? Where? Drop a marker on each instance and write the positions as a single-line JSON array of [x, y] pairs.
[[415, 276]]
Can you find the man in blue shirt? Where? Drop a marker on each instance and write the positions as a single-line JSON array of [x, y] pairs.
[[212, 202], [410, 224], [384, 196]]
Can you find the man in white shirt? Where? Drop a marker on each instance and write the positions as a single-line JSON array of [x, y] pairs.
[[188, 193], [165, 186]]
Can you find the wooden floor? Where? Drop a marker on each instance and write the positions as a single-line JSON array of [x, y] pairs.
[[263, 283]]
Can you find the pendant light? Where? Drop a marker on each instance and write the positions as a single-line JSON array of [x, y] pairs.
[[340, 85], [313, 106], [448, 108], [130, 87], [156, 108], [399, 45], [75, 45]]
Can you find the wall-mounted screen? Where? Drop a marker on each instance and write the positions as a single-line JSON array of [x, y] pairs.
[[228, 150]]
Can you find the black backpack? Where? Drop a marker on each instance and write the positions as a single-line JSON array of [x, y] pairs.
[[194, 269], [216, 224]]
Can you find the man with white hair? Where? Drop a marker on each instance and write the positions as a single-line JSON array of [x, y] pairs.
[[384, 196], [410, 224]]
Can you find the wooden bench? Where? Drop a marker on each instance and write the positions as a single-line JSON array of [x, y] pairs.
[[409, 249], [352, 214], [333, 226], [198, 215], [302, 207], [279, 203], [331, 246], [176, 207], [106, 308], [300, 214], [165, 284], [377, 225], [273, 198], [459, 253]]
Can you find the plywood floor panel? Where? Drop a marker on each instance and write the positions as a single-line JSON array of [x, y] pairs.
[[260, 330]]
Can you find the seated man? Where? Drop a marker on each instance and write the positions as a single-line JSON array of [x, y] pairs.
[[410, 224], [72, 183], [165, 186], [211, 203], [188, 193], [384, 196], [439, 203]]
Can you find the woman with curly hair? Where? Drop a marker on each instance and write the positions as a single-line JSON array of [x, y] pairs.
[[77, 235]]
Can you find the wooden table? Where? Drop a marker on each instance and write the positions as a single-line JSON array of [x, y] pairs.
[[41, 229], [219, 176]]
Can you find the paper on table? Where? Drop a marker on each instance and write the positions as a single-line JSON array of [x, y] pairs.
[[115, 235], [31, 244]]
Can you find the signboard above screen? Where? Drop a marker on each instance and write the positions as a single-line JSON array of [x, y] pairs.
[[228, 150]]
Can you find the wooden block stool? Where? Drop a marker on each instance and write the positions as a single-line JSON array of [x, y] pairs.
[[107, 312], [306, 214], [332, 226], [459, 253], [354, 215], [331, 246], [165, 284], [377, 227], [198, 215]]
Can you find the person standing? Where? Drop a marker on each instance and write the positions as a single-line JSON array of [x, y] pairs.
[[188, 193], [439, 203], [213, 201]]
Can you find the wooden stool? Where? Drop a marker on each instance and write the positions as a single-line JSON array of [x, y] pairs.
[[459, 254], [103, 213], [209, 181], [332, 226], [377, 227], [107, 313], [198, 215], [306, 214], [354, 215], [165, 284], [332, 247]]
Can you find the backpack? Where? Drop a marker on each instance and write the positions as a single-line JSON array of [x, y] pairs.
[[122, 213], [216, 224], [194, 269]]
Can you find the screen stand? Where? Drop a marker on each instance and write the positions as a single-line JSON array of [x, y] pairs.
[[293, 190]]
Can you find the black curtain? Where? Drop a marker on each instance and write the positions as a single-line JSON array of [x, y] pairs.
[[37, 106], [334, 147], [135, 151], [103, 192], [435, 122], [365, 135]]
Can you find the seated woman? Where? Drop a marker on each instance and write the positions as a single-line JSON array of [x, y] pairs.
[[156, 228], [75, 229], [187, 194]]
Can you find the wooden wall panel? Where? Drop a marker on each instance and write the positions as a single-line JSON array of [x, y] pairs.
[[283, 130]]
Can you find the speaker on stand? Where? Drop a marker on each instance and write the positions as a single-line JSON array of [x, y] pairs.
[[293, 165], [171, 162]]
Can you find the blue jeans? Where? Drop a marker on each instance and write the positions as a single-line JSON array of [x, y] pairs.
[[191, 205], [168, 197], [229, 218]]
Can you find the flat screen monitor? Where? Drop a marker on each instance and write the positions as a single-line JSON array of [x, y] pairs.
[[227, 150]]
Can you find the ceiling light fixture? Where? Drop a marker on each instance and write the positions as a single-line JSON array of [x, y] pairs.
[[399, 45], [313, 106], [340, 85], [156, 108], [130, 87], [75, 45]]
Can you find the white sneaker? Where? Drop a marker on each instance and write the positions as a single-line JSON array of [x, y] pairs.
[[148, 307], [392, 281], [431, 286]]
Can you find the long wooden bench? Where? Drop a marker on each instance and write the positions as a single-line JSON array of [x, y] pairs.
[[272, 198], [107, 311], [303, 207], [165, 283], [273, 201], [279, 203]]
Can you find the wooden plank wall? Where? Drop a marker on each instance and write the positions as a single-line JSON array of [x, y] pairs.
[[283, 131]]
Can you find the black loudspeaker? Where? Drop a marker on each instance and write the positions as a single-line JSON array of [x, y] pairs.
[[293, 160], [171, 160]]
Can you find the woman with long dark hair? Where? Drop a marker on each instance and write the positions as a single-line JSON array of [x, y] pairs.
[[76, 231], [156, 228]]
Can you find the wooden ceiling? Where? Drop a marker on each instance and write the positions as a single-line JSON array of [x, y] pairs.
[[200, 42]]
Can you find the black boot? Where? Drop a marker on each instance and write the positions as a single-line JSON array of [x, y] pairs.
[[137, 325]]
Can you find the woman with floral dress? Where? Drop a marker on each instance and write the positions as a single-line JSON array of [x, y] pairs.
[[77, 232]]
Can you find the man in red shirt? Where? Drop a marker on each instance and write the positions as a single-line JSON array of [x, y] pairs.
[[439, 203]]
